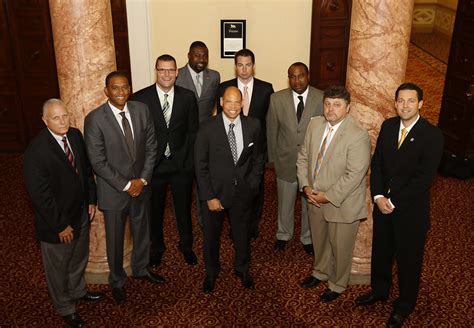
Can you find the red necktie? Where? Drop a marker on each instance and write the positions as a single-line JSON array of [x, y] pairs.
[[69, 154]]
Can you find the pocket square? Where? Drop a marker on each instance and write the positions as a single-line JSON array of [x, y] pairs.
[[250, 144]]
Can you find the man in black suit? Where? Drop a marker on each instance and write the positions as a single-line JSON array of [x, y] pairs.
[[121, 144], [175, 115], [229, 167], [405, 161], [60, 183], [256, 99]]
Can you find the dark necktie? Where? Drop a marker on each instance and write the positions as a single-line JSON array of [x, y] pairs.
[[232, 142], [127, 131], [299, 108], [167, 115], [69, 154]]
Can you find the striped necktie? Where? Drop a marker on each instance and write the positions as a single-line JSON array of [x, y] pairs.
[[321, 153], [233, 142], [167, 116], [69, 154]]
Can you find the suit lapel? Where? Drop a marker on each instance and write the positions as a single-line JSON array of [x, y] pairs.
[[339, 134], [254, 99], [290, 104], [310, 102], [206, 82], [221, 129], [59, 152], [245, 139], [135, 126]]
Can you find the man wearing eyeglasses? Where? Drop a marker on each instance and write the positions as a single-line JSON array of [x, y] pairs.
[[175, 114]]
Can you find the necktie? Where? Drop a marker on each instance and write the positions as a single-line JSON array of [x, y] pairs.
[[321, 154], [127, 131], [402, 137], [69, 154], [198, 85], [300, 108], [232, 142], [167, 116], [246, 100]]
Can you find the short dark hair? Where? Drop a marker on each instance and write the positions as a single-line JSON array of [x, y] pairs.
[[410, 86], [166, 58], [197, 44], [298, 64], [113, 74], [244, 53], [337, 92]]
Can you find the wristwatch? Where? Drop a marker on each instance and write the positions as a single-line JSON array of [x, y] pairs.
[[145, 183]]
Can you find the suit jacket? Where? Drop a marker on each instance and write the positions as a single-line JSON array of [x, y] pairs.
[[284, 134], [58, 193], [404, 175], [211, 80], [216, 173], [258, 103], [113, 165], [343, 169], [182, 129]]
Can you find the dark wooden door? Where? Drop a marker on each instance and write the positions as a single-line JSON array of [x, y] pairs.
[[330, 29], [119, 21], [457, 108], [27, 70]]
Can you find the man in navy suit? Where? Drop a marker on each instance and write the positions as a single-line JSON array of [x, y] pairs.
[[174, 111], [59, 180], [256, 99], [229, 167], [405, 161]]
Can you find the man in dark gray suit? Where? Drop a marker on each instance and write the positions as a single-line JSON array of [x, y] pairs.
[[288, 117], [121, 144], [195, 76]]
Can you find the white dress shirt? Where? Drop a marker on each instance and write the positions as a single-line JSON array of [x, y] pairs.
[[118, 117], [296, 100], [161, 96], [249, 86]]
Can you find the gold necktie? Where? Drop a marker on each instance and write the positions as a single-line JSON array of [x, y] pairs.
[[321, 154], [402, 137]]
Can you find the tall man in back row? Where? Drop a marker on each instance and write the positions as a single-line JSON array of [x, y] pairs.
[[405, 161], [256, 99], [287, 119]]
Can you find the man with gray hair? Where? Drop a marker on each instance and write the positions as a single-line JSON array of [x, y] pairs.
[[59, 180]]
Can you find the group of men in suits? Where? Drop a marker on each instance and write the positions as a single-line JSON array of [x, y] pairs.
[[167, 135]]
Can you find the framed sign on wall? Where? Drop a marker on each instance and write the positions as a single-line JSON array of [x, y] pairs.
[[232, 37]]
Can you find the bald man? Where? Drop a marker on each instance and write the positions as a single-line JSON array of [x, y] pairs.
[[229, 166]]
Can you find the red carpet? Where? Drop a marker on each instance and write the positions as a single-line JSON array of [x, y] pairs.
[[445, 300]]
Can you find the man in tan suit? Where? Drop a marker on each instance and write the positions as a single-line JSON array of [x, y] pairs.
[[332, 165], [288, 116]]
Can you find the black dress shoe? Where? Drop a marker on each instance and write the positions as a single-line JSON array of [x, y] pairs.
[[246, 279], [155, 260], [190, 257], [369, 299], [329, 295], [396, 320], [310, 282], [309, 249], [279, 245], [119, 295], [152, 277], [209, 283], [73, 320], [92, 296]]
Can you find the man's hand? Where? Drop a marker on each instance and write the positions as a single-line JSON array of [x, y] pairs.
[[136, 187], [66, 236], [384, 205], [92, 211], [215, 205], [321, 197], [311, 196]]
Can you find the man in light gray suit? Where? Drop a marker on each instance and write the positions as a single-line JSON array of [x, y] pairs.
[[288, 116], [201, 80], [121, 144]]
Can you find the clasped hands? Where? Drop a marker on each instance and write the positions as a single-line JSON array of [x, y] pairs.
[[136, 188], [317, 198]]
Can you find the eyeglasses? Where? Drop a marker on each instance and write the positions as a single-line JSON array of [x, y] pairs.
[[163, 71]]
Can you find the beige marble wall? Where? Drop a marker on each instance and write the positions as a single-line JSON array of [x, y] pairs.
[[378, 52], [85, 54]]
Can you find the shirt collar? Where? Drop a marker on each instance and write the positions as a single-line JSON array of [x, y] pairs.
[[194, 73], [408, 128], [117, 111], [304, 94], [58, 137], [161, 93], [227, 121], [241, 85]]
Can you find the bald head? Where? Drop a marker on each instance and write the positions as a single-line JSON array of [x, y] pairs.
[[231, 103], [56, 116]]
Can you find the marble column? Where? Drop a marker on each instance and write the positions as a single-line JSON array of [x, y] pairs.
[[85, 54], [378, 52]]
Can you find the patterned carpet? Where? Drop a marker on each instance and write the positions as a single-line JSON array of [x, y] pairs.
[[446, 295], [435, 43]]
